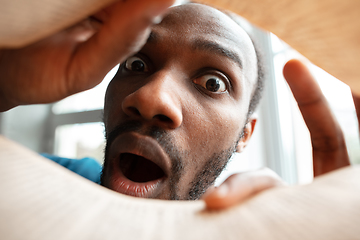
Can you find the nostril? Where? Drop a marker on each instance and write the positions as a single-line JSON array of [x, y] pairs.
[[134, 111], [163, 118]]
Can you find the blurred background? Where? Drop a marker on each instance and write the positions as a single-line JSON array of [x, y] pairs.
[[73, 127]]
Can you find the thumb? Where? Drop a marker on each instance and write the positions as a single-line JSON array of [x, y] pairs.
[[124, 31], [239, 187]]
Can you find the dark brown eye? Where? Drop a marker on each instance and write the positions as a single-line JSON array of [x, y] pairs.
[[136, 64], [211, 83]]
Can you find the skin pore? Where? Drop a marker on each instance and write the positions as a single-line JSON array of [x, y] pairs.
[[177, 110]]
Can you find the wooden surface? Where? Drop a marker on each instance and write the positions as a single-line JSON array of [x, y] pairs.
[[42, 200], [327, 32]]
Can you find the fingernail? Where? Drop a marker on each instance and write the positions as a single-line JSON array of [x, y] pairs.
[[222, 190], [157, 20]]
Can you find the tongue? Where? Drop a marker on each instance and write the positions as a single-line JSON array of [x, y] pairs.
[[139, 169]]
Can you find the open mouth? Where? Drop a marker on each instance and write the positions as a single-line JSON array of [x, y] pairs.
[[139, 166], [139, 169]]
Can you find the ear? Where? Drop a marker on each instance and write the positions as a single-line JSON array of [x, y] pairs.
[[248, 131]]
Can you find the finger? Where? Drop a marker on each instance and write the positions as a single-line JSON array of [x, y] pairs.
[[239, 187], [329, 149], [125, 29], [83, 30]]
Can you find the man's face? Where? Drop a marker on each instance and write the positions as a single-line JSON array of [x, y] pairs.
[[175, 112]]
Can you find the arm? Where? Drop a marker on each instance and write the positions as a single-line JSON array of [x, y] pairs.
[[76, 58]]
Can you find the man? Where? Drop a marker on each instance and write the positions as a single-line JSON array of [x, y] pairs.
[[192, 109], [62, 206], [215, 72], [177, 110]]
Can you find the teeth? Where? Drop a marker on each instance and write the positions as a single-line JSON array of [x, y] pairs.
[[139, 169]]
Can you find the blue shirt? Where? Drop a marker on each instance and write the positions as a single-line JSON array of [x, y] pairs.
[[87, 167]]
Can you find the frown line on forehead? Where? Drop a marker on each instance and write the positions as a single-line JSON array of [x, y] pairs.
[[217, 49], [206, 46]]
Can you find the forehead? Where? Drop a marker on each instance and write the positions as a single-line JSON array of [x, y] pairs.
[[207, 28], [206, 21]]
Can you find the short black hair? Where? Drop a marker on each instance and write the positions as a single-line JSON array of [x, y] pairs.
[[255, 99]]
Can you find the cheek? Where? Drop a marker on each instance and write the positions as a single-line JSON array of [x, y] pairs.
[[212, 128], [209, 131]]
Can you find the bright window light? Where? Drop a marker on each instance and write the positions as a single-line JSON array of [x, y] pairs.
[[80, 140], [85, 101]]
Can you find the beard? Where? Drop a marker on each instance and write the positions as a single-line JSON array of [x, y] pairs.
[[202, 179]]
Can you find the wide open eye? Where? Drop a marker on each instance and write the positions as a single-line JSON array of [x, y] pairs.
[[211, 83], [136, 64]]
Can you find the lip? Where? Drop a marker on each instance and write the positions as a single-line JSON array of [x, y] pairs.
[[143, 146]]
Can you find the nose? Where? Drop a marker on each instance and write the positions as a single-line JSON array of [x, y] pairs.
[[156, 101]]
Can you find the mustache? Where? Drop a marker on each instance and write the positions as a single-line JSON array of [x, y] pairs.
[[155, 132]]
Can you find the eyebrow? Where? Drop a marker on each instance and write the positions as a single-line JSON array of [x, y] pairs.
[[216, 48]]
